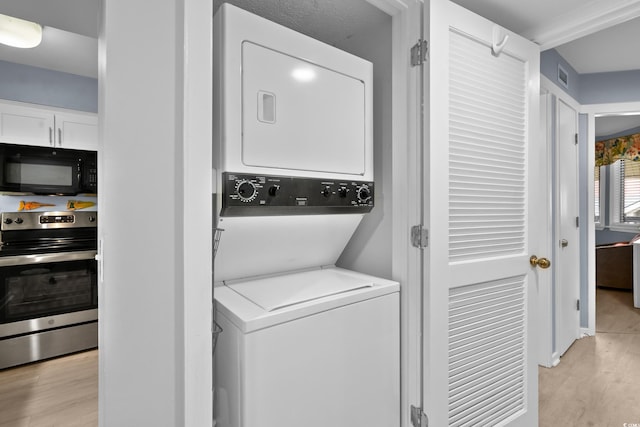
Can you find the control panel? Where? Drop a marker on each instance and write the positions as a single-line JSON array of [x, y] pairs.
[[44, 220], [264, 195]]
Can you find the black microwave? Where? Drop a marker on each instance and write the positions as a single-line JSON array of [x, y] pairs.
[[44, 170]]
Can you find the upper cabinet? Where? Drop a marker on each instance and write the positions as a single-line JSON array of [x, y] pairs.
[[76, 130], [30, 125]]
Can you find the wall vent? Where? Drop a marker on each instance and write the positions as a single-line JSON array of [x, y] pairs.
[[563, 76]]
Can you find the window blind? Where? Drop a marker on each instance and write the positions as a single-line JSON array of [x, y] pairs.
[[630, 191]]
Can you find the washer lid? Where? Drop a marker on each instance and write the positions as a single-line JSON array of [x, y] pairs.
[[278, 292]]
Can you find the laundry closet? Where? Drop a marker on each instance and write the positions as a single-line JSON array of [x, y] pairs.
[[302, 146]]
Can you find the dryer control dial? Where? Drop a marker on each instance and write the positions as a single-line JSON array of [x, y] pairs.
[[246, 191]]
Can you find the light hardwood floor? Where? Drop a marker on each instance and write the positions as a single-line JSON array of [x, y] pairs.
[[597, 382], [60, 392]]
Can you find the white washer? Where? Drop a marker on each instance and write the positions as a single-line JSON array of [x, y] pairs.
[[316, 348]]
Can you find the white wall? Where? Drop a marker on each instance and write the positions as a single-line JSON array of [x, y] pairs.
[[155, 223], [369, 250]]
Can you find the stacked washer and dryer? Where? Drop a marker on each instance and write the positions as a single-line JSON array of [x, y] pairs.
[[304, 343]]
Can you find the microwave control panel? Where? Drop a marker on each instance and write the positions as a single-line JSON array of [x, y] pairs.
[[264, 195]]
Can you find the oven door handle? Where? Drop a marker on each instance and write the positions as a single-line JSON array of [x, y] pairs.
[[10, 261]]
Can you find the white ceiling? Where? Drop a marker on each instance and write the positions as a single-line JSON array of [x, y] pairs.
[[612, 49], [69, 37], [610, 125], [326, 20], [550, 23]]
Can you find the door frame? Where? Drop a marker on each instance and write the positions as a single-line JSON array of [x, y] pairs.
[[547, 310], [406, 208], [593, 110]]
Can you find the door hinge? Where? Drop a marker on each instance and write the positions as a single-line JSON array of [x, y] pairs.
[[576, 138], [578, 305], [419, 237], [577, 222], [419, 52], [418, 418]]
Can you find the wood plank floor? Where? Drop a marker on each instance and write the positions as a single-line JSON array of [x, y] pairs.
[[597, 382], [60, 392]]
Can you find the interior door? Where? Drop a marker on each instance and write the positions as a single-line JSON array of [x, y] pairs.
[[567, 257], [481, 115]]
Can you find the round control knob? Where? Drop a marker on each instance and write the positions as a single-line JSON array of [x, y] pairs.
[[326, 191], [92, 219], [19, 220], [8, 220], [364, 194], [274, 190], [246, 191], [342, 191]]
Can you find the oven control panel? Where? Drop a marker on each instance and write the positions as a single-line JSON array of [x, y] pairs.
[[45, 220], [263, 195]]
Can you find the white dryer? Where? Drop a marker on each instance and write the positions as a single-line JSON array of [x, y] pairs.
[[303, 342]]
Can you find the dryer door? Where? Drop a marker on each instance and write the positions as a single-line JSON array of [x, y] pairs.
[[297, 115]]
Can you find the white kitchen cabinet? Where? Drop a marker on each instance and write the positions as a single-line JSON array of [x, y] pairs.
[[26, 125], [75, 130], [30, 125]]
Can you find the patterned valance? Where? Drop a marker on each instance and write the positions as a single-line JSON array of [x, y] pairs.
[[623, 147]]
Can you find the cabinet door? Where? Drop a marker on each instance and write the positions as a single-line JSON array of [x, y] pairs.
[[78, 131], [26, 125]]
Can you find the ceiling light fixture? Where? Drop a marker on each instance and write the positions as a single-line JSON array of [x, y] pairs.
[[17, 32]]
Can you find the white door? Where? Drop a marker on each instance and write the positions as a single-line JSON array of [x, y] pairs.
[[481, 115], [567, 253]]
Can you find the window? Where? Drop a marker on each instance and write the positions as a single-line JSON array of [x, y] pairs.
[[625, 194]]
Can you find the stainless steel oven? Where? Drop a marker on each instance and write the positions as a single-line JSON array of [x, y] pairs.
[[48, 285]]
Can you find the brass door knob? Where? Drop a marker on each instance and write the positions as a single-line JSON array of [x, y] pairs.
[[539, 262]]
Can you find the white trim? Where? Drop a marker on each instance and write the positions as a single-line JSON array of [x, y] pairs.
[[589, 18], [587, 332], [600, 224], [555, 359], [196, 155], [558, 92], [548, 355], [406, 208], [625, 228], [545, 282], [390, 7]]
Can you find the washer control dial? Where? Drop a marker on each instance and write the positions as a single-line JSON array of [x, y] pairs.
[[246, 191], [363, 193]]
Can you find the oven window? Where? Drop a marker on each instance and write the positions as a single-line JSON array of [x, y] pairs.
[[38, 174], [47, 289]]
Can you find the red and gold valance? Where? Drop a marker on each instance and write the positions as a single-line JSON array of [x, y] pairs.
[[623, 147]]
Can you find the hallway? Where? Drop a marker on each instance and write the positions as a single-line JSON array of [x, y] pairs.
[[597, 382]]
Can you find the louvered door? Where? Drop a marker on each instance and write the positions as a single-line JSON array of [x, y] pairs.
[[483, 94]]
